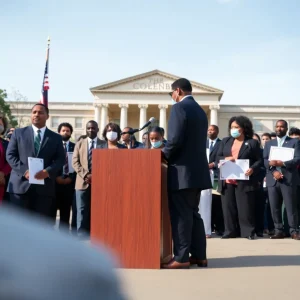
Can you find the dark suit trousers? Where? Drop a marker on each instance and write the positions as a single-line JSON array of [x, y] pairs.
[[64, 199], [217, 218], [32, 201], [259, 210], [83, 203], [269, 223], [187, 226], [281, 193], [238, 208]]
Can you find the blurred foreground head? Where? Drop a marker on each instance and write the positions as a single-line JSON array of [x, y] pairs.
[[37, 263]]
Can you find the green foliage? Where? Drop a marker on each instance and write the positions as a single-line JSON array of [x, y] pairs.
[[5, 109]]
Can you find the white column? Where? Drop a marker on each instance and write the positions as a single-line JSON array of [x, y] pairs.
[[123, 115], [214, 114], [104, 114], [143, 118], [163, 117], [97, 113]]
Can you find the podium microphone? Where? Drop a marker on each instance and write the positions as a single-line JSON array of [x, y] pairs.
[[151, 120], [133, 131]]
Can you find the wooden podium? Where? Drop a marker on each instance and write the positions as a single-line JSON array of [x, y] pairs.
[[129, 207]]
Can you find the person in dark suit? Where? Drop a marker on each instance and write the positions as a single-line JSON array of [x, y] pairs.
[[35, 141], [212, 144], [282, 181], [65, 181], [238, 196], [188, 174]]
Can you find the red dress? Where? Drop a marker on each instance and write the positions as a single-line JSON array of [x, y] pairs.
[[4, 167]]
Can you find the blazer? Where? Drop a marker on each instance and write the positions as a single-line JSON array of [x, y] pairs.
[[289, 171], [71, 147], [80, 161], [213, 156], [21, 146], [185, 149], [251, 150]]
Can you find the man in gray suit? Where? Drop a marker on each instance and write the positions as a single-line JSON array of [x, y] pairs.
[[37, 262], [36, 141]]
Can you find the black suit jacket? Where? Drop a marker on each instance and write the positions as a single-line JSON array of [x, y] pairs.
[[71, 147], [250, 150], [290, 171], [213, 156], [21, 146], [185, 150]]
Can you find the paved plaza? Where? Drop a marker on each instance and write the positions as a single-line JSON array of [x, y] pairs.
[[238, 269]]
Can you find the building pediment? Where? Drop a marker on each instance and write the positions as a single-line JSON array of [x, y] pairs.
[[151, 82]]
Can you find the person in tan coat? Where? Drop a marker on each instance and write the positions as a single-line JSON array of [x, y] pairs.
[[82, 164]]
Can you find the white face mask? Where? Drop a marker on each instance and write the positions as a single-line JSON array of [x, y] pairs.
[[111, 135], [1, 129]]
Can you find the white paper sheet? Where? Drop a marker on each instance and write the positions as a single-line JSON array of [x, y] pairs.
[[281, 153], [70, 158], [234, 170], [35, 165]]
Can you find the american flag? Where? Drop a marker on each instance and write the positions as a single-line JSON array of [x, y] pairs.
[[45, 86]]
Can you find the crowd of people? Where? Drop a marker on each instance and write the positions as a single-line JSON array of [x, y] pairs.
[[267, 203]]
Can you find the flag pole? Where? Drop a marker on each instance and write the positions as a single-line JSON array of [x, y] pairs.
[[45, 86]]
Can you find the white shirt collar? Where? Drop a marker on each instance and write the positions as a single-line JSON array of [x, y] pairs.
[[35, 129], [212, 141], [282, 140], [185, 97], [67, 143], [90, 140]]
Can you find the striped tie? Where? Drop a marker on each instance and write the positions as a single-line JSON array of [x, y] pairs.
[[37, 142], [66, 166], [90, 156]]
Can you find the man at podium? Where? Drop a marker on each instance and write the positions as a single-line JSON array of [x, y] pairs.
[[188, 174]]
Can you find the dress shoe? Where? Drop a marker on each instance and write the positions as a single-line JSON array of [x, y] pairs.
[[219, 233], [277, 236], [250, 237], [271, 232], [259, 234], [173, 264], [295, 236], [200, 263], [228, 236], [208, 236]]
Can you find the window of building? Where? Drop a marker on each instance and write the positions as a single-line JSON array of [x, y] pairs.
[[258, 126], [293, 123], [77, 135], [54, 122], [78, 123]]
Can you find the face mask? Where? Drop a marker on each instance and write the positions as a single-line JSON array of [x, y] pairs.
[[65, 137], [234, 133], [111, 135], [1, 129], [174, 101], [156, 144]]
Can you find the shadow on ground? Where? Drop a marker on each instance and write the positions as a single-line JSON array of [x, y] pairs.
[[254, 261]]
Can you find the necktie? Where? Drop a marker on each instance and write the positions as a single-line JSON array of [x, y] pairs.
[[37, 142], [90, 156], [279, 145], [211, 146], [66, 165]]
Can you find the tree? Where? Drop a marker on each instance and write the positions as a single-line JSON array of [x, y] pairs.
[[17, 104], [5, 109]]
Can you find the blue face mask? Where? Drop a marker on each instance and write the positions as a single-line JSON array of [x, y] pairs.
[[235, 133], [173, 102], [156, 144]]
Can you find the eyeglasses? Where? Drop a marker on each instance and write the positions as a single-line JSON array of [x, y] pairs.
[[171, 93]]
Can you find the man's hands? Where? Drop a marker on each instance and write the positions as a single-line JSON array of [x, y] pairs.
[[277, 175], [41, 175], [211, 165], [249, 172], [231, 158], [88, 179], [275, 163], [63, 181]]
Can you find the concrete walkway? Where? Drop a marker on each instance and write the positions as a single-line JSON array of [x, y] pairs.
[[238, 269]]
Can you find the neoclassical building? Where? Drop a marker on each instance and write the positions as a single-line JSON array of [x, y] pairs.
[[134, 100]]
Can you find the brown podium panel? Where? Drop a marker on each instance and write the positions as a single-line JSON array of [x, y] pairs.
[[129, 209]]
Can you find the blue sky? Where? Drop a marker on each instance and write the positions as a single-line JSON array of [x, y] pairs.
[[248, 48]]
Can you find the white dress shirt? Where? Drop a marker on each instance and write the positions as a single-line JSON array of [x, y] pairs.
[[280, 141], [90, 141], [35, 129], [67, 145]]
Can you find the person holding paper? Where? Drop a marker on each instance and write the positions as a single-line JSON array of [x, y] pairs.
[[238, 195], [42, 147], [65, 181], [282, 180]]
